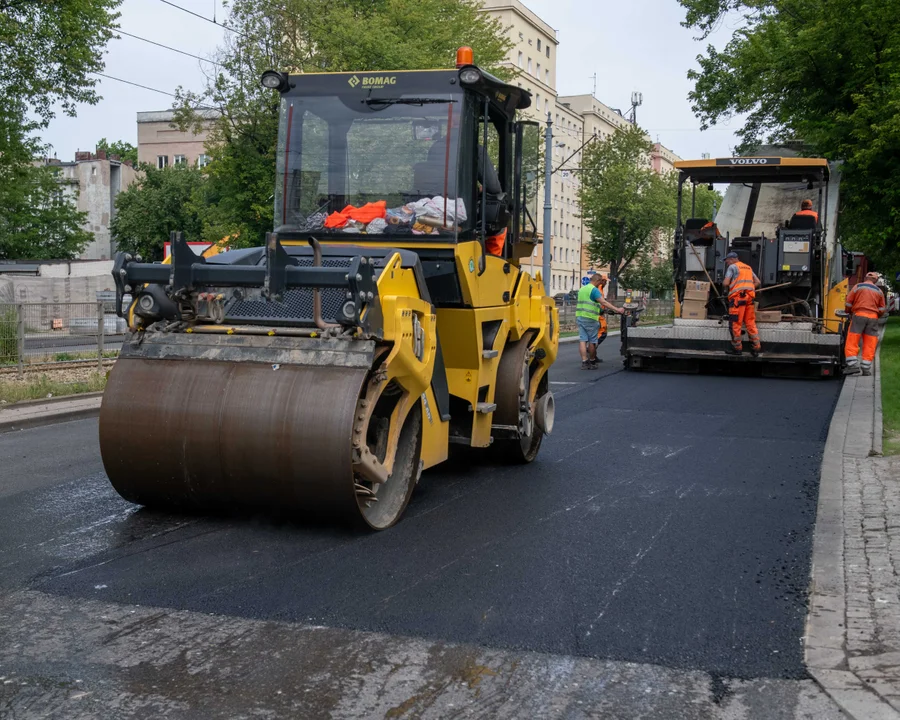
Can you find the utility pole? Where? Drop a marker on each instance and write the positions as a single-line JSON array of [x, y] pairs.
[[548, 206], [614, 279]]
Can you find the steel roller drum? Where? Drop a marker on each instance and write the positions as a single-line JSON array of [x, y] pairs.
[[231, 435]]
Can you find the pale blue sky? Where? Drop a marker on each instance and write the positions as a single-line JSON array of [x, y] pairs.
[[636, 45]]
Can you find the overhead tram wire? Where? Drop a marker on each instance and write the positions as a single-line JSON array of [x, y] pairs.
[[225, 27], [583, 145], [167, 47], [151, 89], [203, 17]]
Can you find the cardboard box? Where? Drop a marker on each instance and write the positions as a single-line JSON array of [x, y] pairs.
[[696, 290], [698, 285], [768, 316], [693, 309], [695, 296]]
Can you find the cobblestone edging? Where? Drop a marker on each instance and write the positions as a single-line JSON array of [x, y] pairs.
[[853, 627]]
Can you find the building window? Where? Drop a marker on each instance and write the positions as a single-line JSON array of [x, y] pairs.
[[548, 51], [538, 76], [521, 36], [162, 161], [202, 160], [554, 228], [529, 67], [538, 101], [539, 44], [521, 59], [180, 160], [547, 76]]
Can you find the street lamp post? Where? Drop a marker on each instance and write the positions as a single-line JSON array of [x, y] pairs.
[[548, 206]]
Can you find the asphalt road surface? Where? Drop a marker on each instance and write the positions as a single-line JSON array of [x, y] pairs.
[[656, 557]]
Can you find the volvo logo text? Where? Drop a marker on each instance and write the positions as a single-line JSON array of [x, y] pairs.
[[749, 161]]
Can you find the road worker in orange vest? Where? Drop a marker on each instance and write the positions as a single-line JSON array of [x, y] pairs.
[[865, 303], [740, 285], [710, 228], [806, 210]]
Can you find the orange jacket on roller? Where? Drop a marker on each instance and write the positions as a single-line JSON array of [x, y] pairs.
[[365, 214], [494, 244], [865, 300], [743, 283]]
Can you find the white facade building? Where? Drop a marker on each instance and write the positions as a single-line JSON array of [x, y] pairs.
[[576, 119]]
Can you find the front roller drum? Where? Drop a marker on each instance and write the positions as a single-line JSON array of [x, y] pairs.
[[237, 436]]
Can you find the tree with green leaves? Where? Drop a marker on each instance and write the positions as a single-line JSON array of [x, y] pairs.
[[49, 51], [311, 36], [821, 75], [650, 275], [39, 219], [160, 202], [624, 203], [125, 151]]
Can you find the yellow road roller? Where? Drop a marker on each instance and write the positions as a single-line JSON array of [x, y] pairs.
[[386, 317]]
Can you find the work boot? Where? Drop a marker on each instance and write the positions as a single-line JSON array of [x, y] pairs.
[[595, 361], [866, 371], [585, 365], [733, 351], [755, 352], [851, 370]]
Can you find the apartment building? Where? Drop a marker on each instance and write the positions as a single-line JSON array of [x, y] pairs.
[[162, 143], [576, 119], [533, 55], [663, 159]]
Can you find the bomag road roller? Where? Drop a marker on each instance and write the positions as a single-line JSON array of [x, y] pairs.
[[386, 317]]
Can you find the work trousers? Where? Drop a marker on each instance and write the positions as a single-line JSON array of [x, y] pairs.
[[604, 330], [865, 328], [742, 312]]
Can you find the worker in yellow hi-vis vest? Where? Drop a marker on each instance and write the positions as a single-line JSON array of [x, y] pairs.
[[587, 317]]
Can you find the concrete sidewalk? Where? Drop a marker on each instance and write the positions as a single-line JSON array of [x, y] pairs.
[[853, 626], [19, 416]]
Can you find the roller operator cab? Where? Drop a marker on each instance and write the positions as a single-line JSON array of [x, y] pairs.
[[766, 219], [385, 318]]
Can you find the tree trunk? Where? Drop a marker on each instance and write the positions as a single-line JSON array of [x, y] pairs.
[[614, 270]]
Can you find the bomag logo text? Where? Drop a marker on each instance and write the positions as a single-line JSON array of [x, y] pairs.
[[373, 82]]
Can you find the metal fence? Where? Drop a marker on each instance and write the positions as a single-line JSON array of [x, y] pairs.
[[653, 310], [57, 333]]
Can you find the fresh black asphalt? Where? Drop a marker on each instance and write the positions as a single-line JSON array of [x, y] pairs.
[[668, 520]]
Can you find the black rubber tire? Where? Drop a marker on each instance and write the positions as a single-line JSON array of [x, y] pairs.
[[512, 365]]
